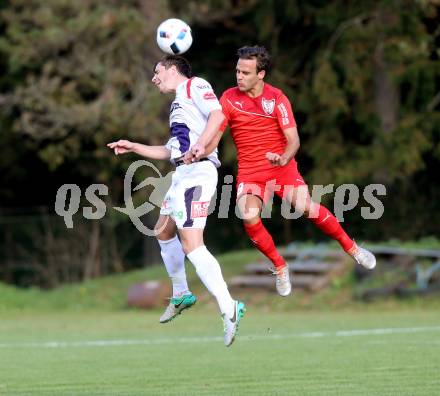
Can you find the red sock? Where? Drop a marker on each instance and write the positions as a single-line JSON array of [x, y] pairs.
[[330, 226], [264, 243]]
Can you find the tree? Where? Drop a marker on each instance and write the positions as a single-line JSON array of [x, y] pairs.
[[364, 81], [76, 76], [79, 74]]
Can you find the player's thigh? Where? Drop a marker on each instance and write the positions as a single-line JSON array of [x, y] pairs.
[[167, 203], [299, 198], [165, 228], [193, 195], [294, 189], [249, 207]]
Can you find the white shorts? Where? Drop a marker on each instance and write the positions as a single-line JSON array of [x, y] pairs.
[[192, 187]]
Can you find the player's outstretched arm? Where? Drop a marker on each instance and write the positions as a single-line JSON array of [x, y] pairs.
[[151, 152]]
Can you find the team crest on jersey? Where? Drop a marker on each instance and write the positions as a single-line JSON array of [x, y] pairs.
[[268, 105]]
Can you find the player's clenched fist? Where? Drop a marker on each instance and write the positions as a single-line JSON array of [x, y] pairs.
[[198, 151], [276, 159], [121, 146], [194, 154]]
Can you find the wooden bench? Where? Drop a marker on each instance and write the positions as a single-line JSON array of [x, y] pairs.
[[311, 270]]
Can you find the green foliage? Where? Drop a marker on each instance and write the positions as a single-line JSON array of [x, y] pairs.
[[80, 76], [363, 77], [106, 293], [348, 67], [348, 94]]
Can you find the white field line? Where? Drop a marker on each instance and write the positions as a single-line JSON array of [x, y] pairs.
[[209, 339]]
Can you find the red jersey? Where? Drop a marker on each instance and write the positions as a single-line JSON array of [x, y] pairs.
[[257, 125]]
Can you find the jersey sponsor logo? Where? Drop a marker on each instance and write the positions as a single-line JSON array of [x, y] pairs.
[[178, 215], [203, 86], [268, 105], [174, 106], [284, 114], [199, 209], [240, 104], [209, 95]]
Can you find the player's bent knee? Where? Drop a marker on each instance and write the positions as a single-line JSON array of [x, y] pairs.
[[189, 247], [251, 221], [311, 210], [249, 209], [191, 239], [163, 233]]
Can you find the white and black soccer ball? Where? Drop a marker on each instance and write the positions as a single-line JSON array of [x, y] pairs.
[[174, 36]]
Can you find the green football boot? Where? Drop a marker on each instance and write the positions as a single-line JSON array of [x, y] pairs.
[[176, 306]]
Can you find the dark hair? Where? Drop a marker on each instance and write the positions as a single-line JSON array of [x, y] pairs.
[[182, 65], [259, 53]]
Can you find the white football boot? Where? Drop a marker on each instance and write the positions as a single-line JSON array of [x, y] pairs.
[[363, 257], [230, 325], [282, 280]]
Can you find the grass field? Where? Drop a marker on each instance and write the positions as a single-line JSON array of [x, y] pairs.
[[130, 353], [82, 340]]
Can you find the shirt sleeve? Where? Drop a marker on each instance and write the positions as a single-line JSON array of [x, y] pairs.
[[203, 96], [226, 112], [284, 113]]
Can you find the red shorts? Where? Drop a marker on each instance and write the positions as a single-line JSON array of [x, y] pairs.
[[275, 181]]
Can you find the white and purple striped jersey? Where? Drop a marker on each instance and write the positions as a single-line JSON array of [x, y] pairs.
[[189, 114]]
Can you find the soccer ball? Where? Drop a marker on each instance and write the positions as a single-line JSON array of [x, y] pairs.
[[174, 36]]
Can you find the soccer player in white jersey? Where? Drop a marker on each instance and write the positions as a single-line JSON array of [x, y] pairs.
[[195, 110]]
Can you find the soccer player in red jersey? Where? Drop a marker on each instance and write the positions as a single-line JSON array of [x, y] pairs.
[[264, 131]]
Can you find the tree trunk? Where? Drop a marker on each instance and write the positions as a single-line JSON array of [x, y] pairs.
[[386, 94], [93, 260]]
